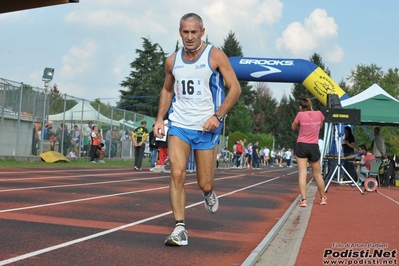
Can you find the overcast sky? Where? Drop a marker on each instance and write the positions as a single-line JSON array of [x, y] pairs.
[[91, 44]]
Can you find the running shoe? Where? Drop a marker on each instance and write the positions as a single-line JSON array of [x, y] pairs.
[[179, 237], [302, 203], [323, 200], [211, 202]]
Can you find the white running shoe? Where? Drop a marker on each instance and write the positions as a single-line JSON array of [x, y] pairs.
[[179, 237], [211, 202]]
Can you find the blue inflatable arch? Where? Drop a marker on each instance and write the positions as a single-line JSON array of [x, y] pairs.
[[312, 77]]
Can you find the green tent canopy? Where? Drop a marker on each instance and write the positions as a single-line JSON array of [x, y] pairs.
[[376, 106]]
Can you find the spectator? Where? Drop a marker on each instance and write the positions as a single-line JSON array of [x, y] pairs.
[[86, 138], [153, 149], [163, 145], [234, 153], [348, 146], [95, 141], [366, 155], [48, 127], [139, 137], [66, 139], [248, 155], [100, 152], [267, 155], [109, 144], [238, 154], [75, 142], [35, 141], [255, 156], [378, 145], [53, 141], [71, 153], [288, 157], [273, 157], [116, 141], [278, 159]]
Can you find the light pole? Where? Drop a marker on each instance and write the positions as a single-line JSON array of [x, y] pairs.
[[47, 77]]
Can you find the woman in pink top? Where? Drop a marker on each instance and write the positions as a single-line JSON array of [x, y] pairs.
[[307, 148]]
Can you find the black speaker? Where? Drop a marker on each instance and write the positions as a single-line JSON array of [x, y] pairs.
[[333, 101]]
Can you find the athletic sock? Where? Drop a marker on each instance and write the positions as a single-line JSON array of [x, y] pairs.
[[180, 223], [207, 194]]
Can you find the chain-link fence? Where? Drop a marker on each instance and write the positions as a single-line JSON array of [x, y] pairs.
[[35, 120]]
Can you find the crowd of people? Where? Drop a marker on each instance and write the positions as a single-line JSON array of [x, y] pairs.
[[73, 141], [252, 156], [357, 163]]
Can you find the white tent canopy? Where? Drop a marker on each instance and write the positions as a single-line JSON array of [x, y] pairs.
[[373, 90], [75, 115], [376, 106]]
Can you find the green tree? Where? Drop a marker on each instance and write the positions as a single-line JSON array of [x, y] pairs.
[[264, 107], [239, 119], [231, 47], [362, 77], [284, 135], [107, 110], [390, 82], [56, 101], [145, 80], [264, 139]]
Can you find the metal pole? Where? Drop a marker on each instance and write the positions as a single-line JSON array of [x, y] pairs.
[[46, 84], [63, 125], [16, 150], [110, 143], [81, 130]]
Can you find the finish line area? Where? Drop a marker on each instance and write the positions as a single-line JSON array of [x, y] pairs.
[[117, 216]]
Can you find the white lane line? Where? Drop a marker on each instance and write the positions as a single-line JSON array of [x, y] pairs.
[[69, 243], [388, 197], [60, 177], [80, 200], [84, 184], [102, 197], [64, 170]]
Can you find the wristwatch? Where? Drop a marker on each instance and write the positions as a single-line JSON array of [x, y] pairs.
[[219, 117]]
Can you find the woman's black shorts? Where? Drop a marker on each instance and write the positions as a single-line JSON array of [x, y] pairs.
[[309, 151]]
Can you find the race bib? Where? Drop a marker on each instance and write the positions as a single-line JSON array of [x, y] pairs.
[[190, 89]]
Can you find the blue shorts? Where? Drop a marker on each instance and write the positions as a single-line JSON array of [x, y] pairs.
[[198, 140]]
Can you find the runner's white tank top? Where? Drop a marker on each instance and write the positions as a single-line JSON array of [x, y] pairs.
[[199, 91]]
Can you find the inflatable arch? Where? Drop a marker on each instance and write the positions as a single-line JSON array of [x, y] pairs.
[[312, 77]]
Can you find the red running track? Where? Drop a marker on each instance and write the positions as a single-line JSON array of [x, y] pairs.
[[116, 216], [353, 229]]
